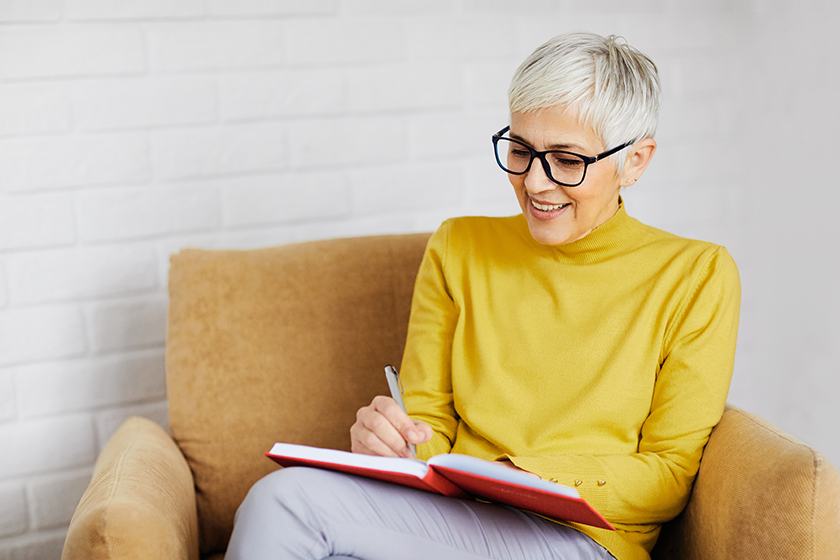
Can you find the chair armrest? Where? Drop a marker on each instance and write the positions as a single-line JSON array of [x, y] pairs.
[[760, 493], [140, 502]]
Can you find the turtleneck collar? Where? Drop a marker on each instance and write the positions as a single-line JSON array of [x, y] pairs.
[[615, 236]]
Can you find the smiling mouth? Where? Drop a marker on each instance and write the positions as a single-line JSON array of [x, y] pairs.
[[548, 207]]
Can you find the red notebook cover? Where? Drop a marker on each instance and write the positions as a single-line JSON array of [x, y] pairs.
[[568, 508], [452, 475]]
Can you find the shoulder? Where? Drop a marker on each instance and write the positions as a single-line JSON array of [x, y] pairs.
[[698, 262], [475, 232], [672, 245]]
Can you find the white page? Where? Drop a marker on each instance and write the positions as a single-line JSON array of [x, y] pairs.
[[412, 467]]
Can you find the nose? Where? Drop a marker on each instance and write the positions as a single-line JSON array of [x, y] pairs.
[[537, 180]]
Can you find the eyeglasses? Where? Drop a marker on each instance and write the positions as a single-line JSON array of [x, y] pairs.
[[564, 168]]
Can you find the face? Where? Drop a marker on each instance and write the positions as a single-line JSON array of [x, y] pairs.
[[556, 214]]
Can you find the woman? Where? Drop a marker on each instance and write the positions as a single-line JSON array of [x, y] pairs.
[[570, 341]]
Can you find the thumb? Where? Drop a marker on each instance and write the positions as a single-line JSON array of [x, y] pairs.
[[420, 433]]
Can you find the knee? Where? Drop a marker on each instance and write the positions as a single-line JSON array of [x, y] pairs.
[[284, 486], [290, 479]]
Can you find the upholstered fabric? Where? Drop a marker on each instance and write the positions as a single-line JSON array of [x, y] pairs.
[[279, 344], [140, 504], [760, 494], [286, 343]]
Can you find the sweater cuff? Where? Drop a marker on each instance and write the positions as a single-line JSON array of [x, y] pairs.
[[584, 474], [438, 445]]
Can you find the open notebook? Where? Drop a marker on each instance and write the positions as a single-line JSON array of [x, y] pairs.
[[457, 476]]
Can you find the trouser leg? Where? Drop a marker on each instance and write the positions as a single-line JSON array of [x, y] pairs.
[[300, 513]]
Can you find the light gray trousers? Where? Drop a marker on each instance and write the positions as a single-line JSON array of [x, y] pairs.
[[302, 513]]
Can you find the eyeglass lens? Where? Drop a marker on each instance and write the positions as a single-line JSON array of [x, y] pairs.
[[565, 167]]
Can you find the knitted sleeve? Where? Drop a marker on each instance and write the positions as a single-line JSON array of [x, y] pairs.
[[426, 365]]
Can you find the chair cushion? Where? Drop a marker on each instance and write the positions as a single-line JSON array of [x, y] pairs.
[[278, 344]]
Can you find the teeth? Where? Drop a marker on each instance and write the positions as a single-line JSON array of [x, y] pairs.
[[548, 207]]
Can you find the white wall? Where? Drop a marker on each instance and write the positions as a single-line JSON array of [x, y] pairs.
[[131, 129]]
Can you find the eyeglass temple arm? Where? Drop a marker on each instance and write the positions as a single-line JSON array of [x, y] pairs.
[[610, 152], [505, 129]]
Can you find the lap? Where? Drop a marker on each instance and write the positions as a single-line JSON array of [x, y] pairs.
[[311, 513]]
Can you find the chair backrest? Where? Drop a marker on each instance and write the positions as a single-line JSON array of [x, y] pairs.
[[278, 344]]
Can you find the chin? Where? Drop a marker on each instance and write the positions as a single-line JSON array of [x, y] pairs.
[[547, 237]]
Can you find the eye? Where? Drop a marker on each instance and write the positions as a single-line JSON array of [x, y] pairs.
[[566, 160], [520, 153]]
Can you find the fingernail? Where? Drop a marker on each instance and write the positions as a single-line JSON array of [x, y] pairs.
[[413, 435]]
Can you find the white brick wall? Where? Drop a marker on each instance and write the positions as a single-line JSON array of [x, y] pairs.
[[52, 498], [144, 102], [41, 333], [26, 109], [82, 50], [40, 220], [220, 150], [132, 129], [12, 509], [81, 273], [97, 10], [40, 163], [216, 46], [30, 10], [47, 445]]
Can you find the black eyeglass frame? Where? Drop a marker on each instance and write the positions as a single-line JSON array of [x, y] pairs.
[[587, 160]]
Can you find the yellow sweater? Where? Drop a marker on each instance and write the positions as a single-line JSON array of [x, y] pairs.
[[603, 364]]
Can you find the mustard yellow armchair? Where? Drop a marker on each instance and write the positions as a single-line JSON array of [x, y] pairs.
[[286, 343]]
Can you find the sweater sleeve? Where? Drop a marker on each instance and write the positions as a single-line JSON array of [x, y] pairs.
[[427, 362], [653, 484]]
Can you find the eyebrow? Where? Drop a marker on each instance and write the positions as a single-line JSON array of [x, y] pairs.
[[551, 147]]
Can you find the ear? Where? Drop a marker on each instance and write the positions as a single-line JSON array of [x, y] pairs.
[[637, 161]]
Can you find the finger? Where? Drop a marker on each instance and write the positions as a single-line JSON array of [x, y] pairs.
[[395, 415], [362, 449], [366, 442], [377, 432]]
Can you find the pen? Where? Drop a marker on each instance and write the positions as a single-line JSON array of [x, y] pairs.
[[395, 386]]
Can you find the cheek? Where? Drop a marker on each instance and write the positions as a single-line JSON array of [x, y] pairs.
[[518, 183]]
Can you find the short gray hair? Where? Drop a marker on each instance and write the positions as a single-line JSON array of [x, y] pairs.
[[614, 87]]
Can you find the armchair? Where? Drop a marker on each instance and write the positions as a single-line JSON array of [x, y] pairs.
[[286, 343]]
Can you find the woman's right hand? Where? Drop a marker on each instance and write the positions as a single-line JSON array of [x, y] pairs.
[[382, 428]]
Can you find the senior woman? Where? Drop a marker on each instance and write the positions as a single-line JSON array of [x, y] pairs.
[[570, 341]]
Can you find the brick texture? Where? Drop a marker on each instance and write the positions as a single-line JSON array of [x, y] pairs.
[[94, 10], [69, 52], [69, 274], [12, 509], [8, 404], [41, 333], [127, 324], [41, 220], [130, 130], [27, 109], [87, 384], [73, 161], [52, 499], [232, 149], [145, 102], [63, 442], [30, 10], [216, 46]]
